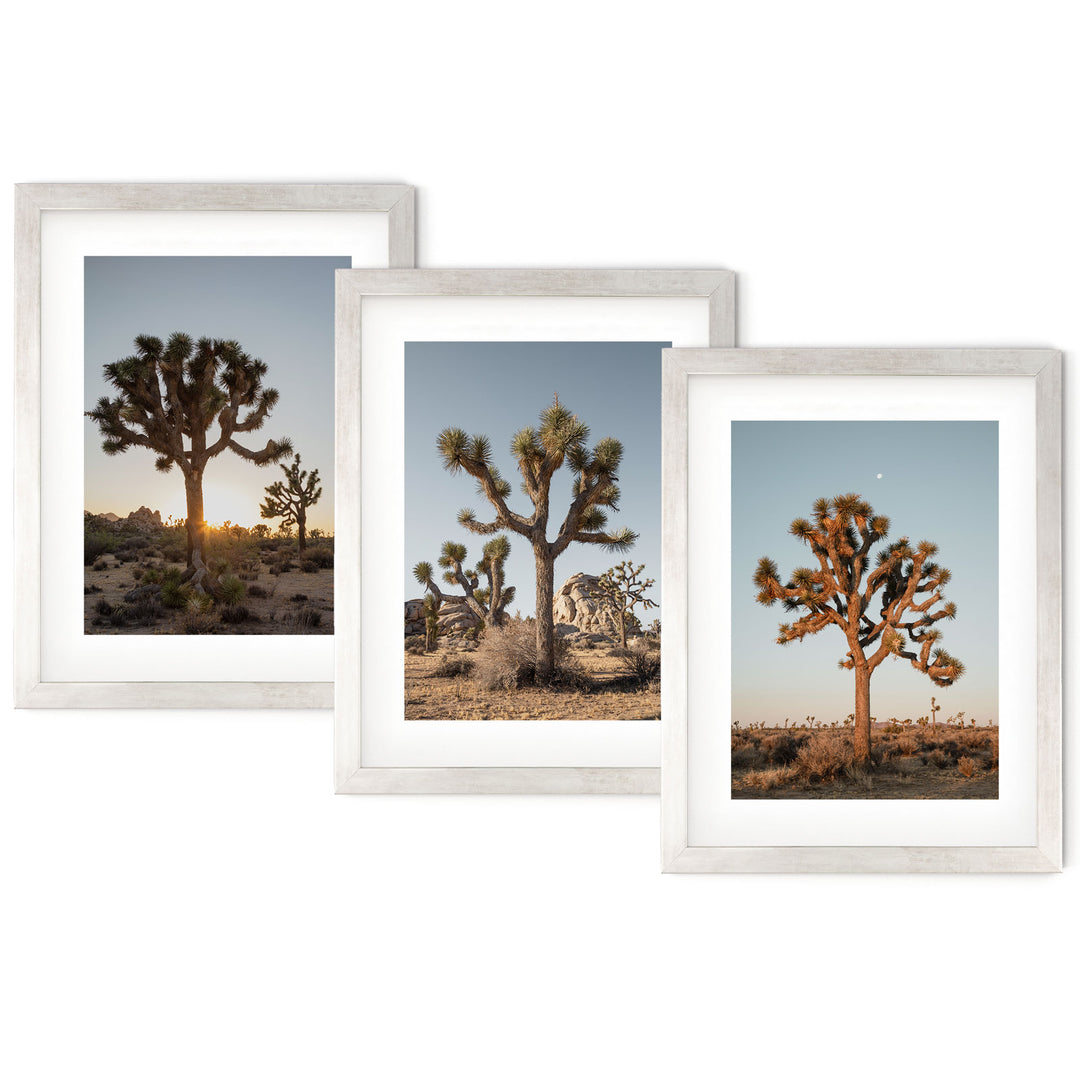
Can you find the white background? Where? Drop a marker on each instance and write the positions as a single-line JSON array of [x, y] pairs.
[[181, 895]]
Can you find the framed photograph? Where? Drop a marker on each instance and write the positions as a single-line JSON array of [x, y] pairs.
[[175, 450], [862, 569], [501, 596]]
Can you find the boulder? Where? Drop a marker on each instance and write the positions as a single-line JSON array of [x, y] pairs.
[[414, 617], [581, 604], [456, 618]]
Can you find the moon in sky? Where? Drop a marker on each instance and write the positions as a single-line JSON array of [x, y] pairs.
[[879, 475]]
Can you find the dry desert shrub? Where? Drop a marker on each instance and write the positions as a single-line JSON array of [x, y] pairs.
[[780, 748], [640, 661], [746, 757], [454, 667], [823, 758], [415, 646], [770, 778], [506, 658], [967, 767]]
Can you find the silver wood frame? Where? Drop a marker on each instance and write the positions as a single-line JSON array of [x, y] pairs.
[[683, 365], [351, 774], [31, 201]]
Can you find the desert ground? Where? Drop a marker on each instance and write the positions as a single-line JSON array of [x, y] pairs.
[[907, 761], [271, 589], [601, 689]]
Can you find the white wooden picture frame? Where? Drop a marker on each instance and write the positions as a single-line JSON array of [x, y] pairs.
[[38, 203], [702, 831], [469, 303]]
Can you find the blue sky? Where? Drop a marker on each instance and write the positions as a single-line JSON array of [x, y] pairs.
[[280, 309], [934, 480], [496, 388]]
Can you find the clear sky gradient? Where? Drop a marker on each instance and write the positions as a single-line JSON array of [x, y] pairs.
[[280, 309], [496, 388], [938, 481]]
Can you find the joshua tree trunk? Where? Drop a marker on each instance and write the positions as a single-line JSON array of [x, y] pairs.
[[545, 620], [301, 524], [622, 628], [862, 712], [196, 571]]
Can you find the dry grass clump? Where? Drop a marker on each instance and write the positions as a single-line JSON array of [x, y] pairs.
[[506, 658], [454, 667], [415, 646], [306, 618], [640, 661], [967, 767], [823, 758], [770, 778]]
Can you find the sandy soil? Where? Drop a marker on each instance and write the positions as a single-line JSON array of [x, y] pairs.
[[428, 697], [274, 612]]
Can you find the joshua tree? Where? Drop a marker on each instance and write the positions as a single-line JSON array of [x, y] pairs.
[[431, 622], [540, 453], [934, 709], [624, 591], [168, 396], [488, 604], [290, 500], [905, 584]]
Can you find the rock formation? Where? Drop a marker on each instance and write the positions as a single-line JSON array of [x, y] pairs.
[[454, 618], [580, 603], [145, 519]]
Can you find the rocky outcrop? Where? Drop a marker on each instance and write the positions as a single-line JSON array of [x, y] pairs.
[[145, 519], [414, 617], [454, 618], [579, 603]]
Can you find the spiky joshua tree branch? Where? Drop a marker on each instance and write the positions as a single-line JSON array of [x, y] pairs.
[[891, 609], [489, 603], [169, 395], [539, 453], [290, 499]]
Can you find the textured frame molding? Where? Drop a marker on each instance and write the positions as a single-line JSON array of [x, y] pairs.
[[1042, 365], [351, 776], [397, 201]]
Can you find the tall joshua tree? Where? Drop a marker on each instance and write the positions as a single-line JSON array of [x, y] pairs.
[[904, 586], [488, 604], [540, 452], [290, 499], [168, 398], [624, 589]]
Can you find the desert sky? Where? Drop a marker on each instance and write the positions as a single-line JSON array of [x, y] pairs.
[[280, 309], [934, 480], [497, 388]]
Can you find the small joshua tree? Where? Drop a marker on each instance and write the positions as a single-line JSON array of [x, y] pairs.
[[431, 622], [290, 499], [168, 397], [905, 585], [488, 604], [540, 452], [624, 590]]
